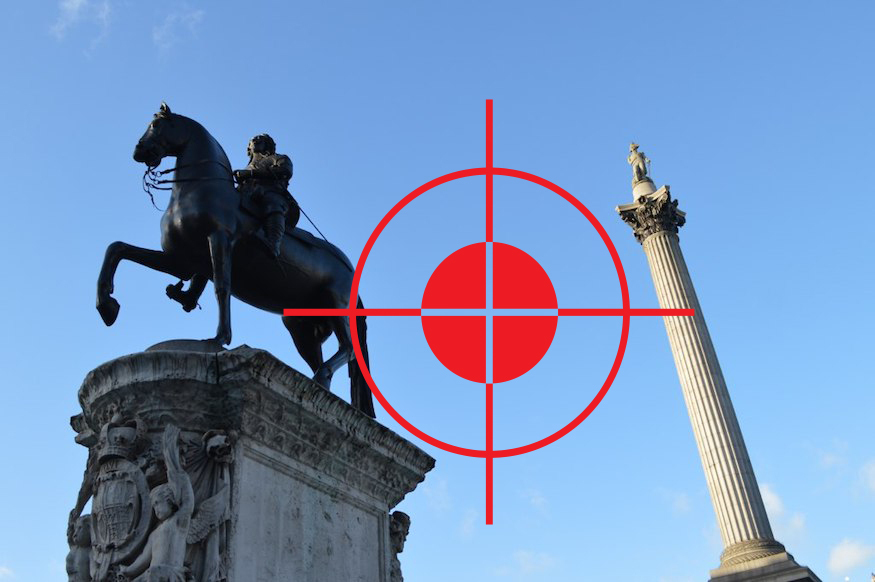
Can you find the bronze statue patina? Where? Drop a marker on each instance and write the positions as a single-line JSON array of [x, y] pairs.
[[209, 232], [266, 181]]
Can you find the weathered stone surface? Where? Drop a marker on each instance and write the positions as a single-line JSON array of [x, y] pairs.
[[778, 567], [309, 479]]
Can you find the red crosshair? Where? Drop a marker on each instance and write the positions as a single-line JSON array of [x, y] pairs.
[[521, 293]]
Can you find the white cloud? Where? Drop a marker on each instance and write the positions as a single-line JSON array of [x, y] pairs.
[[168, 32], [867, 473], [438, 496], [532, 562], [797, 522], [466, 528], [788, 527], [835, 456], [773, 503], [680, 502], [72, 12], [527, 564], [848, 554], [535, 499], [6, 573], [829, 460]]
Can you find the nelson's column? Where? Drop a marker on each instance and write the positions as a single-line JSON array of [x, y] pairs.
[[750, 552]]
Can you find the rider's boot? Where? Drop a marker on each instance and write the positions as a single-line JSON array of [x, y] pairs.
[[275, 228]]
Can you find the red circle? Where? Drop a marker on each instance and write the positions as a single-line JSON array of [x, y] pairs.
[[624, 291], [518, 282]]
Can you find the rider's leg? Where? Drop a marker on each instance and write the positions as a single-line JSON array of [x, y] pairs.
[[275, 228], [276, 206]]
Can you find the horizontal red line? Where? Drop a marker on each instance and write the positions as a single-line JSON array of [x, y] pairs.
[[418, 312], [350, 312], [621, 311]]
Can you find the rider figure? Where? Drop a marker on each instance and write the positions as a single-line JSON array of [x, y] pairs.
[[266, 181]]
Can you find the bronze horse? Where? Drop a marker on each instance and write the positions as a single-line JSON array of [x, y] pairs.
[[206, 230]]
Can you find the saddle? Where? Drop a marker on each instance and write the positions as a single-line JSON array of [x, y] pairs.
[[252, 208]]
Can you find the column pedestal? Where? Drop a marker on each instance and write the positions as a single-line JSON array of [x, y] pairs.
[[289, 482], [780, 567]]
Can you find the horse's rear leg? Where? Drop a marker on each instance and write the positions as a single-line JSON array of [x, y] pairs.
[[220, 253], [115, 253], [344, 354], [308, 339]]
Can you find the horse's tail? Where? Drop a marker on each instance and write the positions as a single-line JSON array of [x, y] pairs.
[[360, 392]]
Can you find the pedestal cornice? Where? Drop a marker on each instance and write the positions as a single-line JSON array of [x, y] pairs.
[[250, 391]]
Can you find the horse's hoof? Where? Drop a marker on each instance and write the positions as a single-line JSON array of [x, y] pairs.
[[176, 293], [108, 309], [223, 339], [323, 379]]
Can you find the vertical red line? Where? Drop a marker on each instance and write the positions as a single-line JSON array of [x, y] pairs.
[[489, 182], [489, 166], [489, 457]]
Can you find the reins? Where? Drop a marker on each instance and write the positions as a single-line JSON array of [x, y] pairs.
[[152, 181], [152, 178]]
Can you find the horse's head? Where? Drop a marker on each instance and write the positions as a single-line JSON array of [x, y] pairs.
[[163, 137]]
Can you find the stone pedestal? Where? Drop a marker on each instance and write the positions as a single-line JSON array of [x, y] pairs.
[[289, 481], [750, 550]]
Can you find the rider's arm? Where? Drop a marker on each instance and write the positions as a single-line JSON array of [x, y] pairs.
[[282, 167]]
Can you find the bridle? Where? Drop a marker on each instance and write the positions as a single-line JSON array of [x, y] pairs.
[[152, 178]]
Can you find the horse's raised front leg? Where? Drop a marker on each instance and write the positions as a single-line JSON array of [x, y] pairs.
[[188, 298], [220, 252], [115, 253]]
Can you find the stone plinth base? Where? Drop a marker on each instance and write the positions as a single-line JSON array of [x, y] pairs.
[[775, 568], [289, 482]]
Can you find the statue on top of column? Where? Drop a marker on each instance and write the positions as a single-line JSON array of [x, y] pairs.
[[639, 162]]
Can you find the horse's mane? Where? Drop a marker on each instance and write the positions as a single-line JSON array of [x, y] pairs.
[[219, 149]]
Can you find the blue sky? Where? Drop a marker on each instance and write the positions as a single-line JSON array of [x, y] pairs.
[[759, 116]]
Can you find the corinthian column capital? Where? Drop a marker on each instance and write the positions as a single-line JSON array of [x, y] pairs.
[[652, 213]]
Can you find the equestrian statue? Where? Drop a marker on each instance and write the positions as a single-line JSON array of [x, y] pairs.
[[245, 241]]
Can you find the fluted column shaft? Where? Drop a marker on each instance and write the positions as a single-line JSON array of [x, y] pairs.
[[741, 515]]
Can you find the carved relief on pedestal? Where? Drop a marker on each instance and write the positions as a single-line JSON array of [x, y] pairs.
[[79, 557], [120, 509], [160, 506], [399, 527], [654, 213], [295, 434]]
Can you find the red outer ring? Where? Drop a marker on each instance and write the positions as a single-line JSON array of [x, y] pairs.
[[624, 289]]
